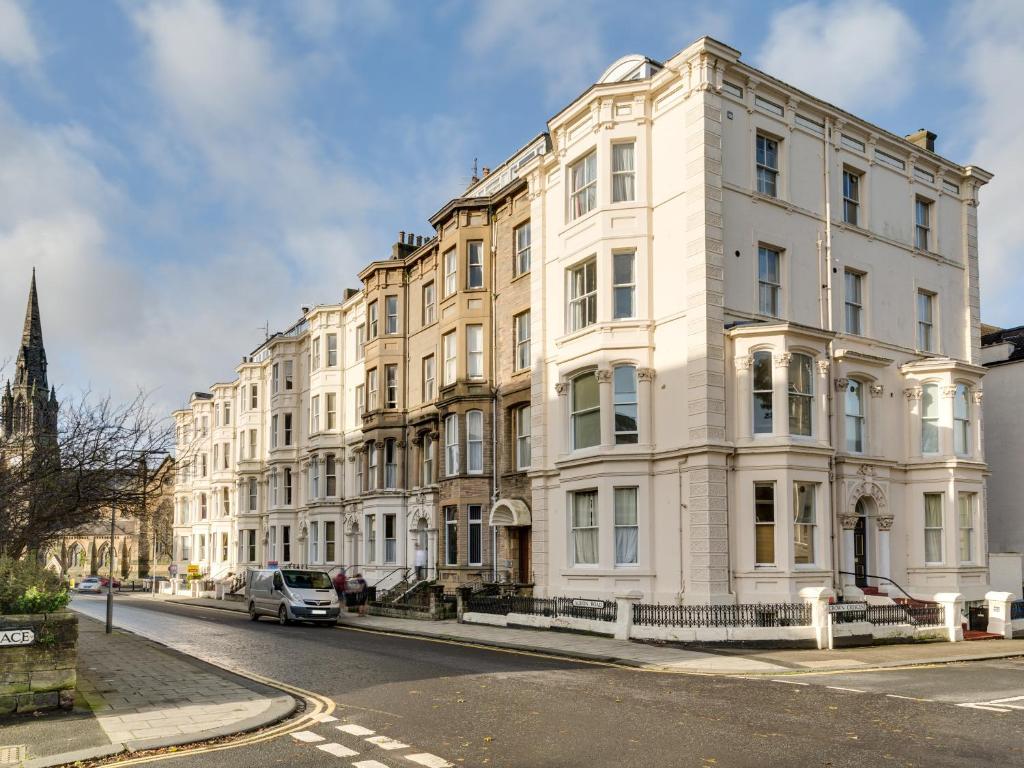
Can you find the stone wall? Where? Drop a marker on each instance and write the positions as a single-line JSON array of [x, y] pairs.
[[41, 675]]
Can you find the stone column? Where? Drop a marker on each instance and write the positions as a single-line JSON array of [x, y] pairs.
[[379, 445], [884, 568], [605, 398], [645, 408], [820, 426], [840, 409], [977, 435], [780, 394], [874, 415], [848, 522], [946, 420], [744, 425], [563, 431]]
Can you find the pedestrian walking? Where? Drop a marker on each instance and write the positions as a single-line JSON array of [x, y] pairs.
[[341, 584], [359, 590]]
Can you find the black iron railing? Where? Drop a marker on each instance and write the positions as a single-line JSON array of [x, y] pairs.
[[915, 614], [743, 615], [573, 607]]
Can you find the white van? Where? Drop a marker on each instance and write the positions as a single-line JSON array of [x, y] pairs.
[[292, 595]]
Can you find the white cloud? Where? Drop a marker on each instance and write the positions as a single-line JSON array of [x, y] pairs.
[[857, 55], [17, 44], [558, 40], [989, 33]]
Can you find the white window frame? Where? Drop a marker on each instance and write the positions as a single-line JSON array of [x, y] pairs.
[[922, 223], [925, 310], [767, 520], [451, 445], [523, 427], [623, 179], [930, 419], [576, 414], [853, 298], [371, 319], [769, 287], [851, 196], [475, 352], [372, 391], [521, 339], [450, 350], [967, 505], [808, 524], [474, 442], [314, 414], [390, 315], [624, 400], [521, 241], [624, 528], [332, 410], [622, 285], [429, 377], [933, 531], [451, 277], [582, 290], [583, 186], [391, 385], [762, 356], [429, 303], [391, 463], [804, 398], [593, 524], [476, 532], [855, 422], [767, 165], [961, 420], [332, 350], [474, 264]]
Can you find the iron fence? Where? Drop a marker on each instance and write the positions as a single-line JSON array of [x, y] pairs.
[[576, 608], [743, 615], [915, 614], [1017, 610]]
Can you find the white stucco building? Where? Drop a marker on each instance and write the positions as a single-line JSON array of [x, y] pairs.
[[757, 363]]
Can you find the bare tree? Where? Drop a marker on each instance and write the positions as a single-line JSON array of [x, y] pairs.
[[53, 485]]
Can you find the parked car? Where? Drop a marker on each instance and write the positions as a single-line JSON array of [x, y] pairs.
[[104, 580], [89, 584], [292, 595], [147, 581]]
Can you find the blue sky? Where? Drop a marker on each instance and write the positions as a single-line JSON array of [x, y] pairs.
[[181, 172]]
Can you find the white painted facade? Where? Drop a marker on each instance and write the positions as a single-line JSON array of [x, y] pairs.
[[701, 326]]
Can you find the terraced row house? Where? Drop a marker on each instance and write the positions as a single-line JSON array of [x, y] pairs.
[[707, 337]]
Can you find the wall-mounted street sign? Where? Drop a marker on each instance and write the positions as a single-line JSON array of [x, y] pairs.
[[580, 603], [846, 607], [193, 570], [16, 637], [172, 570]]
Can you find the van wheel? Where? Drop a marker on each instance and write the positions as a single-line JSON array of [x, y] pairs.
[[253, 616], [282, 616]]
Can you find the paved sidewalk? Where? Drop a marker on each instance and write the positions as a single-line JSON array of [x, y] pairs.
[[134, 694], [719, 659]]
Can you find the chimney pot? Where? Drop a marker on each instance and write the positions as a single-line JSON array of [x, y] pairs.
[[401, 235], [412, 238], [419, 240], [486, 171], [305, 311]]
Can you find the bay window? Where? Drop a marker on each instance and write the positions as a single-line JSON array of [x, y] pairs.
[[930, 418], [583, 186], [804, 522], [801, 395], [475, 264], [586, 411], [475, 442], [764, 523], [583, 295], [475, 351], [623, 173], [854, 406], [625, 400], [627, 530], [961, 421], [451, 444], [476, 525], [584, 527], [933, 528]]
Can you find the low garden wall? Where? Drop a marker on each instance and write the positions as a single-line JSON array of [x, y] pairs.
[[38, 655]]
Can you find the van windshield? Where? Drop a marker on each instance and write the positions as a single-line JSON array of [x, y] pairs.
[[306, 579]]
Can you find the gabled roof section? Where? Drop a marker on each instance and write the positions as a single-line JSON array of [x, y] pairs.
[[632, 67]]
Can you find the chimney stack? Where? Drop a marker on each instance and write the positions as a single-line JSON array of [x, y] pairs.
[[486, 171], [305, 311], [923, 138], [401, 235], [419, 240]]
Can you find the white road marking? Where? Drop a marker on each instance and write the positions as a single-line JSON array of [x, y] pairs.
[[908, 698], [1006, 702], [337, 750], [355, 730], [322, 718], [306, 736], [430, 761], [385, 742], [851, 690], [982, 706], [368, 764], [996, 705], [788, 682]]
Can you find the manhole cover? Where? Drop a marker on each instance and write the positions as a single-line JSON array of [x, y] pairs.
[[12, 755]]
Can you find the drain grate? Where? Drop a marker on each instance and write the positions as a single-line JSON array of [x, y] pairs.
[[12, 754]]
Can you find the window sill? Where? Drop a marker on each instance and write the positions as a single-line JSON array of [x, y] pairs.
[[597, 570]]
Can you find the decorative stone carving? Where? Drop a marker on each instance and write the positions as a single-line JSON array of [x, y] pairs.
[[913, 393], [645, 374], [949, 391], [822, 367], [400, 443], [561, 388], [978, 396], [417, 439], [884, 523], [744, 362], [877, 390], [352, 456], [866, 470], [870, 489], [379, 445], [841, 384], [782, 359], [849, 522], [604, 375], [435, 435]]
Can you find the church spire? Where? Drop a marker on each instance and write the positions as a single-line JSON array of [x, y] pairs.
[[31, 367]]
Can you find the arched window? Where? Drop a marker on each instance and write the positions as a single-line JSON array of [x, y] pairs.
[[451, 444], [930, 418], [762, 393], [475, 442], [586, 412], [624, 381], [854, 405], [961, 421], [801, 395]]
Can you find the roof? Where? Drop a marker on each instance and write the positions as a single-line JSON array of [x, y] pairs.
[[1012, 336]]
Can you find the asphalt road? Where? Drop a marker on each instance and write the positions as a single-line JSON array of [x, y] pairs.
[[475, 707]]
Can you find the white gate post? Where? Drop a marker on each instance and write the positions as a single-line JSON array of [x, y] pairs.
[[624, 613], [818, 598], [999, 622], [953, 603]]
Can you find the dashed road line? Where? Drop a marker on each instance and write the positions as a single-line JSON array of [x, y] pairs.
[[385, 742], [355, 730], [337, 750], [368, 764], [323, 718], [908, 698], [789, 682], [307, 737], [839, 688], [430, 761]]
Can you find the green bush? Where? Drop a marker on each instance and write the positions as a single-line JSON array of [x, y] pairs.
[[27, 587]]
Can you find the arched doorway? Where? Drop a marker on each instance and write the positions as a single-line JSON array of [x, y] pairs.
[[860, 544]]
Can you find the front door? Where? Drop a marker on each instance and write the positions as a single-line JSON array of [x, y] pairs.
[[525, 577], [860, 552]]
